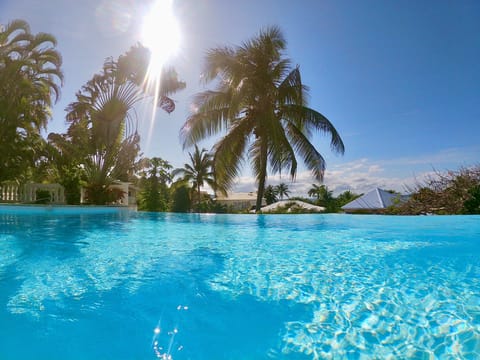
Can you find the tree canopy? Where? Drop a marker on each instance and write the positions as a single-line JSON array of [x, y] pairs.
[[30, 81], [103, 121], [261, 104]]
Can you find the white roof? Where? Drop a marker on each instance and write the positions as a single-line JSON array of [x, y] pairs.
[[374, 199], [238, 196], [283, 203]]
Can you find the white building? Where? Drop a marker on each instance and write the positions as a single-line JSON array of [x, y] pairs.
[[239, 201]]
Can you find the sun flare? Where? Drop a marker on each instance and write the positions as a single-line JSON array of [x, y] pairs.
[[161, 35]]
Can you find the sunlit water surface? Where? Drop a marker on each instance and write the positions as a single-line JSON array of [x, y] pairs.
[[187, 286]]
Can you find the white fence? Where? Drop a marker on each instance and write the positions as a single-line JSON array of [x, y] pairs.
[[27, 193], [9, 193]]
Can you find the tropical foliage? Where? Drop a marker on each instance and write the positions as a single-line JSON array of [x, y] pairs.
[[154, 182], [321, 193], [270, 194], [258, 105], [274, 193], [181, 199], [103, 121], [30, 80], [282, 190], [346, 197], [472, 204], [324, 197], [260, 101], [198, 173]]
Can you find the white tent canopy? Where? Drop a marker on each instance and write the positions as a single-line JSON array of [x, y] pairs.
[[375, 199]]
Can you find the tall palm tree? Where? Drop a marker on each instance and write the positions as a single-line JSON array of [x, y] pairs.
[[282, 190], [29, 68], [260, 102], [30, 80], [199, 172]]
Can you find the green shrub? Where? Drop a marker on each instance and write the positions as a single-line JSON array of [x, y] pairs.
[[472, 205], [43, 197]]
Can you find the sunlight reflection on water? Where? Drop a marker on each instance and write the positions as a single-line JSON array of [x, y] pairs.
[[317, 286]]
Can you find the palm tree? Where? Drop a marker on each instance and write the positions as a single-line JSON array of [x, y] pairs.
[[105, 110], [282, 190], [315, 191], [260, 102], [321, 192], [199, 172], [345, 197], [30, 79], [156, 176], [270, 194], [29, 70]]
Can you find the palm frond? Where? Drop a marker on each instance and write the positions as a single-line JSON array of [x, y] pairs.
[[229, 152], [212, 116], [281, 154], [291, 90], [311, 157], [169, 82], [308, 119], [219, 61]]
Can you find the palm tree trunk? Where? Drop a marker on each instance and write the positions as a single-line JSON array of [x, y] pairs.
[[261, 178], [199, 197], [260, 191]]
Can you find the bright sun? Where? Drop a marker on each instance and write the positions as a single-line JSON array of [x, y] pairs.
[[160, 34]]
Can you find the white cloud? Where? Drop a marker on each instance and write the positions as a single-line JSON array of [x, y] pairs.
[[357, 176], [362, 175]]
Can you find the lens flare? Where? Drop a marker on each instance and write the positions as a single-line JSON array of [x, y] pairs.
[[160, 34]]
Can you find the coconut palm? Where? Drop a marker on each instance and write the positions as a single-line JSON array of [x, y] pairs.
[[270, 194], [199, 172], [260, 101], [321, 192], [315, 191], [282, 190]]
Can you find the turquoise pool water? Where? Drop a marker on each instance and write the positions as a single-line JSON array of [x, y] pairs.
[[122, 285]]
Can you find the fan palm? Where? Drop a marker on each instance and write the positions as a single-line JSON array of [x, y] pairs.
[[199, 172], [260, 102], [105, 109]]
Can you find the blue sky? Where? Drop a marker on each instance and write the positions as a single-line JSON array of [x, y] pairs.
[[400, 80]]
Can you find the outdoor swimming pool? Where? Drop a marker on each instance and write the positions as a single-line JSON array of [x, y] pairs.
[[77, 285]]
